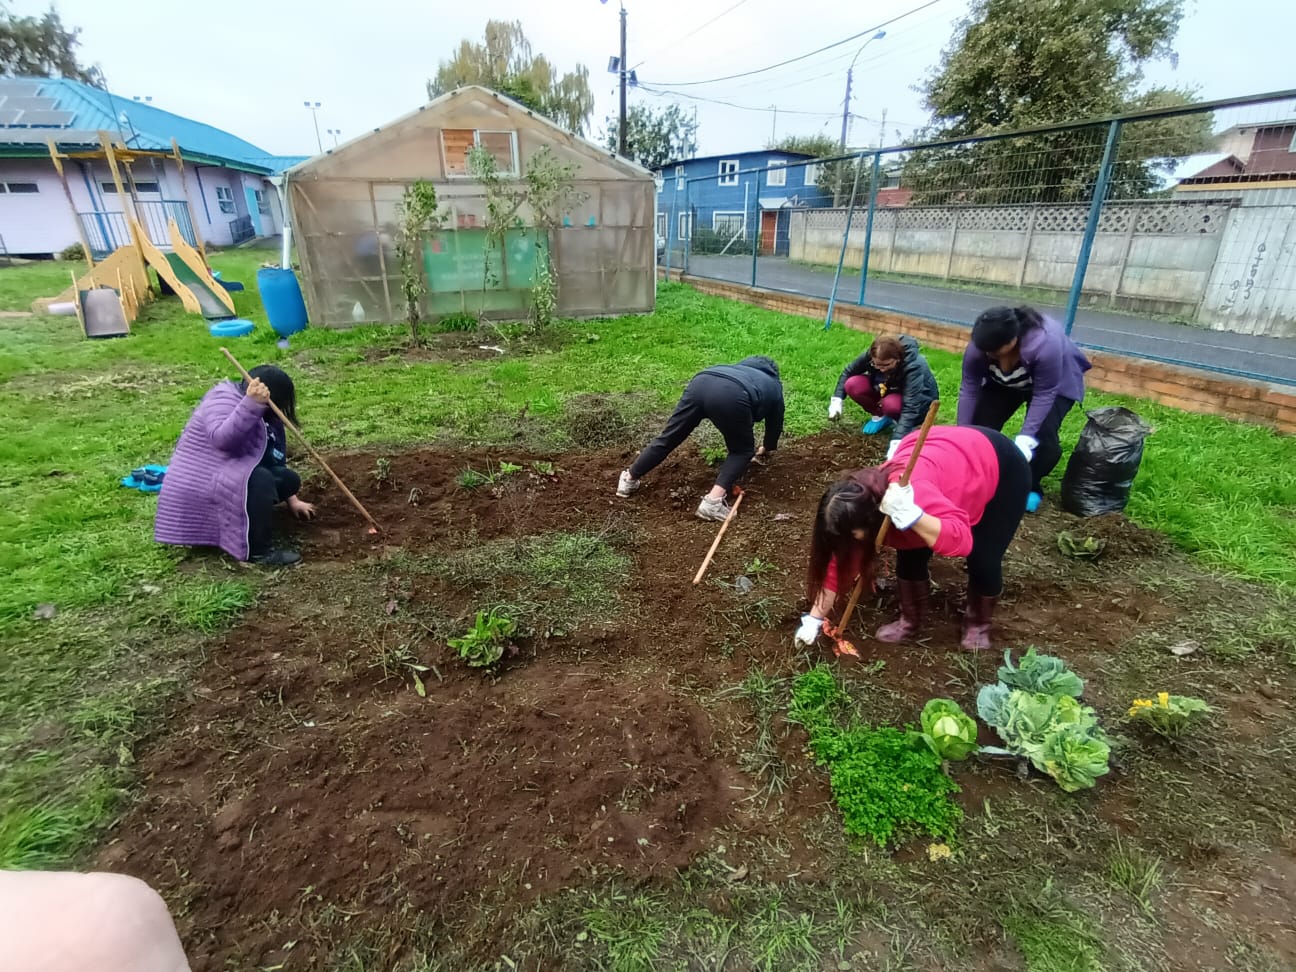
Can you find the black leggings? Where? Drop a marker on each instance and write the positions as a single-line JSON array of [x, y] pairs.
[[726, 405], [267, 486], [995, 530], [997, 405]]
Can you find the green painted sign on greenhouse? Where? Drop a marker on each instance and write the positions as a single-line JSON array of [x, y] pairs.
[[467, 273]]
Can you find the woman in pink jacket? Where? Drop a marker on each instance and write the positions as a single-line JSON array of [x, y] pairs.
[[965, 498]]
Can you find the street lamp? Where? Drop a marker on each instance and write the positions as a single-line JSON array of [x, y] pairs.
[[314, 107], [335, 132], [850, 72]]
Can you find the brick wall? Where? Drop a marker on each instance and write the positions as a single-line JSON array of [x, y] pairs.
[[1184, 388]]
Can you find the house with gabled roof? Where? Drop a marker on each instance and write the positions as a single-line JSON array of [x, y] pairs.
[[224, 180]]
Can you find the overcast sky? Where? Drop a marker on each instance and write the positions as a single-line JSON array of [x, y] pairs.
[[247, 65]]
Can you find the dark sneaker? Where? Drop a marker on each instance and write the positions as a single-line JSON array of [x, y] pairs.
[[277, 558]]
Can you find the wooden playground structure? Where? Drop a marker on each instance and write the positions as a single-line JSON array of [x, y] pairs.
[[183, 268]]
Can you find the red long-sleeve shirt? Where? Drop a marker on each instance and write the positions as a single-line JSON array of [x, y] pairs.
[[955, 476]]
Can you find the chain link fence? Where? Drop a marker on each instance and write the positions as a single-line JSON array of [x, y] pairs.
[[1168, 234]]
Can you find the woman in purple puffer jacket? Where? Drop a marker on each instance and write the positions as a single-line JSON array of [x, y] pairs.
[[228, 471], [1019, 357]]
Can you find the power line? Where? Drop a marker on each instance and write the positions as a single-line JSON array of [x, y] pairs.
[[793, 60], [730, 104], [694, 31]]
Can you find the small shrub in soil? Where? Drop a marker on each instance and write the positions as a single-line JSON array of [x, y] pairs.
[[487, 640], [457, 322]]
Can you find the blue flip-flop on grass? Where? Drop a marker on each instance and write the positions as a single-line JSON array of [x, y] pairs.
[[147, 479]]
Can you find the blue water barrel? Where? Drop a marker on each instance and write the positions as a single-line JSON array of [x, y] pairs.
[[282, 297]]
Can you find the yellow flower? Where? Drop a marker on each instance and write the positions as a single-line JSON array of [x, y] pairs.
[[1164, 699]]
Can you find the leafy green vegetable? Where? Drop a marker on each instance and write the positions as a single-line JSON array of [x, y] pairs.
[[947, 730], [888, 784], [1040, 673], [1168, 715], [1074, 756], [1087, 549], [486, 640], [1056, 733]]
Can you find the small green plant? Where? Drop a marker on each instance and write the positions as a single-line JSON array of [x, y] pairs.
[[948, 731], [474, 479], [382, 471], [1136, 873], [459, 321], [887, 783], [487, 640], [399, 660], [74, 252], [1168, 715], [508, 468], [542, 467], [713, 455], [419, 215], [1088, 548], [755, 567]]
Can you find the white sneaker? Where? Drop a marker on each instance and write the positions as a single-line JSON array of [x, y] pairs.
[[712, 509], [626, 485]]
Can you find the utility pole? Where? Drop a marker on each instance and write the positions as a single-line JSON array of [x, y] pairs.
[[621, 132], [314, 108], [846, 105], [882, 130], [774, 126], [850, 76]]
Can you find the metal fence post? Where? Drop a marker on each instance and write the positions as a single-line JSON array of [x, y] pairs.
[[671, 228], [756, 231], [868, 224], [688, 216], [850, 214], [1091, 225]]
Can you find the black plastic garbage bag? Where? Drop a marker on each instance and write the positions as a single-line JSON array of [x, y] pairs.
[[1102, 468]]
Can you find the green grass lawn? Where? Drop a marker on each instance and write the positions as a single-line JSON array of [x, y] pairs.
[[77, 691]]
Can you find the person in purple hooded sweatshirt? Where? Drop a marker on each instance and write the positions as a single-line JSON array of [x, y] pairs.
[[1019, 357], [229, 471]]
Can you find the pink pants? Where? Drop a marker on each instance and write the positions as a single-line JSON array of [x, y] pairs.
[[860, 390], [59, 921]]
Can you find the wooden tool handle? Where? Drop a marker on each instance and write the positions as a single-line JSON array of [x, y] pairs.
[[928, 422], [313, 454], [716, 542]]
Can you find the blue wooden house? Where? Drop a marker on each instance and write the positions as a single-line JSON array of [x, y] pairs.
[[729, 203]]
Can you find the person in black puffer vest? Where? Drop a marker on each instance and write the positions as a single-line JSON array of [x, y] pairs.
[[892, 382], [733, 398]]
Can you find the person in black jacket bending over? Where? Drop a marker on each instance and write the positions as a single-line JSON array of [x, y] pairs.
[[893, 383], [733, 397]]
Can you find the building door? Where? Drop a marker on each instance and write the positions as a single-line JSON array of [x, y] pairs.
[[254, 209], [769, 227]]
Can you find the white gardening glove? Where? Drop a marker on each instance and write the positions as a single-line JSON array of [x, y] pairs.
[[898, 503], [808, 633], [892, 448], [835, 409], [1027, 446]]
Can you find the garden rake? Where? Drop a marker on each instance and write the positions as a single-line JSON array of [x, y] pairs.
[[738, 495], [374, 529], [838, 633]]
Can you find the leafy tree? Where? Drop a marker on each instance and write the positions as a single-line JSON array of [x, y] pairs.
[[505, 63], [418, 214], [43, 47], [654, 138], [1019, 63]]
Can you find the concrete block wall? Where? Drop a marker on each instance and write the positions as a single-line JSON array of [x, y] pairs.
[[1184, 388]]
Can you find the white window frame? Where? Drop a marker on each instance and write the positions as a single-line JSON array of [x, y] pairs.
[[812, 173], [477, 134], [225, 200], [262, 201], [685, 226], [28, 188], [679, 177], [663, 224], [660, 181], [727, 172], [728, 213], [778, 166]]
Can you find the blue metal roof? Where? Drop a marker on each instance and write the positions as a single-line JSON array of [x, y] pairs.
[[33, 110]]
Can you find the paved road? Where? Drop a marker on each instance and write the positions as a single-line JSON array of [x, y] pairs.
[[1272, 359]]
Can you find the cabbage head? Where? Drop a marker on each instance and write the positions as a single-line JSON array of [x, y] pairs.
[[949, 732]]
